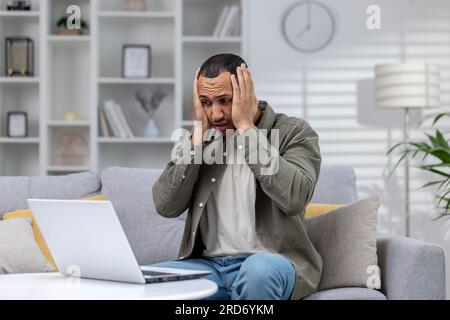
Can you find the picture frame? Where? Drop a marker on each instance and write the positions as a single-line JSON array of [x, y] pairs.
[[16, 124], [19, 57], [18, 5], [136, 61]]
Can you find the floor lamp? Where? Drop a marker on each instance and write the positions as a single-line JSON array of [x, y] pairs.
[[407, 86]]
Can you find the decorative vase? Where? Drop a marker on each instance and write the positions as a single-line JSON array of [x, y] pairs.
[[151, 131], [134, 5]]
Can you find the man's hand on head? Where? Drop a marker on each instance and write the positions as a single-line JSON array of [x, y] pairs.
[[200, 115], [245, 103]]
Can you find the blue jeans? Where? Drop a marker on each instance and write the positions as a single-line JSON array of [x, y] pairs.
[[259, 276]]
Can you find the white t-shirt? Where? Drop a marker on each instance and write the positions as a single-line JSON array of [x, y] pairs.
[[232, 231]]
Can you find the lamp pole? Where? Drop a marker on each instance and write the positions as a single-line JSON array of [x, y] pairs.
[[406, 140]]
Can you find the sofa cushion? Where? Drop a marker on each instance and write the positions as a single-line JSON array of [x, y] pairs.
[[27, 213], [152, 237], [19, 251], [318, 209], [16, 190], [350, 293], [346, 240]]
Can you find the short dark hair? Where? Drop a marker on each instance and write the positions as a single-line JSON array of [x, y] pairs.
[[219, 63]]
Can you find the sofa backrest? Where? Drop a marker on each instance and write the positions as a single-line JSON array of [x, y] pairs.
[[152, 237], [336, 185], [130, 191], [14, 191]]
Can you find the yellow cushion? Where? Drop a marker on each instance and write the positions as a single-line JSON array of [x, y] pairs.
[[318, 209], [27, 213]]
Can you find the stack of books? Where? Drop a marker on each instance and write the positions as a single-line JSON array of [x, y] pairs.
[[228, 23], [113, 122]]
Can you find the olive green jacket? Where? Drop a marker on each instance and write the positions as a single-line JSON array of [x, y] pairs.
[[281, 198]]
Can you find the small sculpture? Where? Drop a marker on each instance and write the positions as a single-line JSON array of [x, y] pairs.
[[134, 5], [150, 100]]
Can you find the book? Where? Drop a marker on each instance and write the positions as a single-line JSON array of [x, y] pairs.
[[116, 116], [220, 21], [104, 130], [228, 21], [123, 123], [234, 31], [108, 107]]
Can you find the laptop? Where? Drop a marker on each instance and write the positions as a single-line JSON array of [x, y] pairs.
[[87, 240]]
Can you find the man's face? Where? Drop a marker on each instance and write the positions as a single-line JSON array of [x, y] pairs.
[[216, 96]]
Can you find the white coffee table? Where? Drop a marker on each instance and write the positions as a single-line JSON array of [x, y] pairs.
[[47, 286]]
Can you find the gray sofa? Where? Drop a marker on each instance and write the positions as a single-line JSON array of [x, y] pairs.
[[410, 269]]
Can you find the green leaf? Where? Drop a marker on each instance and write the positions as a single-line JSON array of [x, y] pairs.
[[444, 182], [441, 215], [441, 140], [439, 116], [397, 163], [441, 154], [429, 184], [443, 197], [394, 147], [436, 165], [439, 172]]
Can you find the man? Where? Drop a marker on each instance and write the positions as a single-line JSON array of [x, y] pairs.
[[245, 222]]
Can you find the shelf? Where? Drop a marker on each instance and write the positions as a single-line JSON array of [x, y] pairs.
[[67, 168], [134, 140], [65, 123], [160, 34], [7, 140], [68, 39], [69, 77], [19, 14], [19, 158], [136, 14], [210, 39], [136, 81], [19, 80]]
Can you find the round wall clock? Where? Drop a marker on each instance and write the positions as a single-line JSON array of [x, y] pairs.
[[308, 26]]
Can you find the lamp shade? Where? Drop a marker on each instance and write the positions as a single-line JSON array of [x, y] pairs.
[[407, 85]]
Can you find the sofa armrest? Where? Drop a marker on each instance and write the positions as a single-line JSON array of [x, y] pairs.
[[411, 269]]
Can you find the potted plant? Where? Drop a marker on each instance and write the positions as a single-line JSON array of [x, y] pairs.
[[63, 30], [436, 146]]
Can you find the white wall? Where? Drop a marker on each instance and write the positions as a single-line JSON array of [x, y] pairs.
[[323, 89]]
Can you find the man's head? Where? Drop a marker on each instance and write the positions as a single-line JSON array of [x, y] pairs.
[[215, 89]]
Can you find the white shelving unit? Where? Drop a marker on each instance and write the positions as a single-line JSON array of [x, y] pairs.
[[17, 155], [19, 14], [6, 80], [62, 39], [76, 73]]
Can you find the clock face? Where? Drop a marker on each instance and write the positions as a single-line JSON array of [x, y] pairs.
[[308, 26]]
